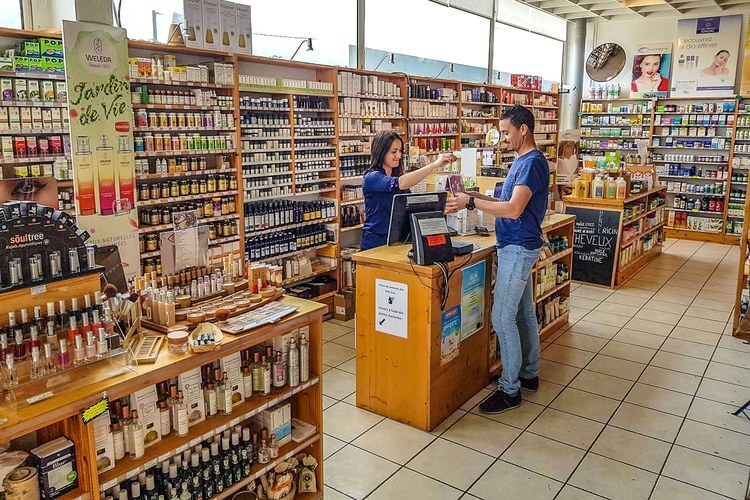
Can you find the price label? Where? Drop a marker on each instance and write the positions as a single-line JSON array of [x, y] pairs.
[[207, 436], [132, 473], [150, 463], [36, 290], [180, 449], [94, 410], [164, 457], [234, 422], [109, 484], [195, 441]]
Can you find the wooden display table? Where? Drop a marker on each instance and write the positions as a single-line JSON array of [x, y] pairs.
[[405, 369], [60, 414], [614, 239]]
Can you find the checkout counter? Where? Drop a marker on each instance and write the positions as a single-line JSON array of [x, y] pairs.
[[417, 362]]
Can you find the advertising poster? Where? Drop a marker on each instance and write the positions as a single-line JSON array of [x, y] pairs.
[[96, 69], [651, 66], [472, 299], [392, 308], [706, 56], [568, 155], [450, 334], [745, 85]]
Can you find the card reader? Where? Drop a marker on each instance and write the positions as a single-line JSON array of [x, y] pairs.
[[461, 248], [430, 240]]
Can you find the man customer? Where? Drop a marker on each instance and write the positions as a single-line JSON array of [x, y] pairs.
[[519, 211]]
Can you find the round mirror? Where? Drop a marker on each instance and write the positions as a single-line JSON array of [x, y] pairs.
[[605, 62], [492, 137]]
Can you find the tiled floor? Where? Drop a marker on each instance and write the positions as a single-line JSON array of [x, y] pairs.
[[633, 403]]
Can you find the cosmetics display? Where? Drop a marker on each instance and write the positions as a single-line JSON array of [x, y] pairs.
[[352, 216], [260, 216], [261, 83]]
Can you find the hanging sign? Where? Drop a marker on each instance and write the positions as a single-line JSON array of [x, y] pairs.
[[96, 70]]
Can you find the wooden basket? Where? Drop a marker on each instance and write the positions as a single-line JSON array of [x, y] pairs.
[[206, 328]]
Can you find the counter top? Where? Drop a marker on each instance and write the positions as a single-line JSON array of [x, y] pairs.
[[396, 256], [612, 203], [79, 388]]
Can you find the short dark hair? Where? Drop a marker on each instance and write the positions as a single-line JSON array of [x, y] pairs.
[[519, 115], [381, 144]]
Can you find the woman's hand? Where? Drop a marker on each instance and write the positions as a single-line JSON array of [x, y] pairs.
[[456, 203], [656, 81], [444, 159]]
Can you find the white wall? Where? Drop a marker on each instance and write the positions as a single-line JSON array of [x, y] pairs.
[[629, 33]]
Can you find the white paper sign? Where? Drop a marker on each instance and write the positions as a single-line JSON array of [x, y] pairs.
[[391, 307], [469, 162]]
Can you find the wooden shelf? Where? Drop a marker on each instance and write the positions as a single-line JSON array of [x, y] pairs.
[[253, 232], [552, 291], [352, 228], [183, 129], [171, 83], [559, 255], [555, 325], [170, 227], [641, 235], [352, 202], [185, 152], [175, 175], [211, 243], [174, 444], [183, 106], [175, 199], [316, 272], [291, 254]]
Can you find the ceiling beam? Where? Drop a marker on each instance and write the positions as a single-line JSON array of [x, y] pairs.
[[582, 15], [566, 10], [674, 7], [549, 4]]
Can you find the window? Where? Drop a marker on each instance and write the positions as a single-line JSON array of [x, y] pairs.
[[519, 51], [10, 15], [280, 26], [519, 14], [149, 20], [425, 37]]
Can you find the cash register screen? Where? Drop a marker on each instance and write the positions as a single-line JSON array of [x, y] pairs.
[[399, 228]]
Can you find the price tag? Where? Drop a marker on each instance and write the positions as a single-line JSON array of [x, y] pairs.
[[207, 436], [180, 449], [234, 422], [109, 484], [132, 473], [221, 429], [164, 457], [36, 290], [94, 410], [149, 464], [195, 441], [273, 402]]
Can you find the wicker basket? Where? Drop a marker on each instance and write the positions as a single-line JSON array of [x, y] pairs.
[[206, 328]]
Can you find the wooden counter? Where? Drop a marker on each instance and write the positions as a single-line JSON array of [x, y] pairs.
[[404, 375], [604, 254]]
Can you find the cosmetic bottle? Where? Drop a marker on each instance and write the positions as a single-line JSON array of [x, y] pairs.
[[274, 447], [74, 265], [226, 463], [11, 375], [79, 353], [19, 348], [50, 363], [207, 474], [61, 321], [119, 441], [25, 324], [266, 389], [36, 367], [33, 337], [293, 364], [172, 403], [264, 453], [4, 348], [182, 416], [165, 418], [247, 382], [279, 371], [51, 316], [126, 430], [304, 358], [137, 431], [87, 304], [51, 336], [102, 348], [246, 453], [39, 319], [209, 395], [63, 355], [256, 370], [73, 329], [90, 346], [222, 393], [108, 323]]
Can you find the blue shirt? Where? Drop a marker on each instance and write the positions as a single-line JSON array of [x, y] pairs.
[[379, 190], [531, 170]]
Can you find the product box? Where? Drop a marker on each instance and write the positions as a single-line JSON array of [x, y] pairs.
[[344, 305], [51, 47], [61, 91], [6, 63], [14, 118], [35, 63], [6, 89], [145, 401], [56, 465], [4, 123], [281, 342], [104, 443], [33, 90], [189, 383], [36, 118], [20, 63], [193, 11], [53, 64], [28, 49], [278, 421], [228, 25], [211, 25], [244, 29], [48, 90], [20, 89], [6, 144], [232, 364], [25, 119]]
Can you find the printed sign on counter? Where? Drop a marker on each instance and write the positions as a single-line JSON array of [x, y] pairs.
[[594, 244], [391, 307], [472, 299], [450, 334]]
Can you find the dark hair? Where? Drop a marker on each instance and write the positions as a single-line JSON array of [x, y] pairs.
[[637, 60], [519, 115], [381, 144], [723, 50]]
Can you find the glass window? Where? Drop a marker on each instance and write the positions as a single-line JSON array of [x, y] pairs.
[[149, 20], [425, 37], [279, 26], [519, 51], [519, 14], [10, 15]]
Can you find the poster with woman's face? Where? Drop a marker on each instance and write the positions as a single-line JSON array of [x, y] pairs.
[[651, 69], [42, 190], [706, 56]]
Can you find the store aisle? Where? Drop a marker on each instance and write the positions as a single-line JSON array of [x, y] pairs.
[[633, 403]]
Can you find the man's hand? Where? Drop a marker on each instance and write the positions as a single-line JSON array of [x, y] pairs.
[[445, 159], [459, 201]]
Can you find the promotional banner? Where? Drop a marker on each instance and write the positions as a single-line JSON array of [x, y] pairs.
[[651, 65], [706, 57], [472, 299], [745, 85], [96, 69]]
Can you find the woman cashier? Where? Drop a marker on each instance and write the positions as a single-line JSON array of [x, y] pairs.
[[384, 179]]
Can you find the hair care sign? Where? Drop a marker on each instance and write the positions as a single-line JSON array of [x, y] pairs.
[[705, 62], [96, 69], [651, 66]]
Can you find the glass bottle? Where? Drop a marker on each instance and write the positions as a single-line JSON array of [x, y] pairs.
[[207, 474], [228, 402], [36, 367], [126, 429], [151, 493], [256, 370], [119, 441], [79, 353], [11, 374], [63, 355], [102, 348], [181, 411], [209, 395], [236, 463], [171, 402], [137, 431], [266, 389], [218, 477], [264, 453], [279, 371], [90, 346], [274, 447], [226, 463], [246, 452], [135, 491], [50, 362], [247, 382], [293, 363], [165, 418], [196, 475]]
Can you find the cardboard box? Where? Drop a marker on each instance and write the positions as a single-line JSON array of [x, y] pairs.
[[48, 90], [145, 401], [278, 421], [20, 63], [33, 90], [193, 11], [20, 90], [56, 465], [35, 63], [211, 25], [344, 305], [281, 342], [104, 443], [6, 63], [53, 64], [28, 49], [6, 89], [244, 30], [232, 364], [61, 91], [228, 24], [189, 383], [51, 47]]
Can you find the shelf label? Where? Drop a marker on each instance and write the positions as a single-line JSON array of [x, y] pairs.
[[39, 397], [181, 448], [164, 457], [195, 442], [94, 410], [149, 464], [207, 436], [109, 484], [39, 289], [234, 422], [132, 473]]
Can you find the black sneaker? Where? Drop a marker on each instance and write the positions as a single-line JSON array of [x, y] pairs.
[[529, 384], [499, 402]]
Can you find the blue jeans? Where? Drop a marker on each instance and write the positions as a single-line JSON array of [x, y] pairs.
[[514, 317]]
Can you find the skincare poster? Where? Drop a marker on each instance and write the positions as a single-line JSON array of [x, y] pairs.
[[651, 66], [472, 299], [450, 334], [96, 69], [705, 62], [391, 307], [745, 85]]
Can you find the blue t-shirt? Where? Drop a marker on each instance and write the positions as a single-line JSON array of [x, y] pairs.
[[531, 170], [379, 190]]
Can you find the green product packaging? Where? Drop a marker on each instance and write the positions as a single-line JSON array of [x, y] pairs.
[[50, 47], [20, 63], [28, 49]]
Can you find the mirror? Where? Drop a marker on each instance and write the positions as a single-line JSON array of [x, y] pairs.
[[492, 137], [605, 62]]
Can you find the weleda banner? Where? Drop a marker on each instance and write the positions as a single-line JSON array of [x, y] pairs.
[[745, 84], [96, 69], [705, 62]]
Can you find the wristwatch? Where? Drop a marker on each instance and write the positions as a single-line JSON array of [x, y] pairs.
[[470, 204]]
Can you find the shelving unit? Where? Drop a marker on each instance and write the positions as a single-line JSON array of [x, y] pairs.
[[740, 165]]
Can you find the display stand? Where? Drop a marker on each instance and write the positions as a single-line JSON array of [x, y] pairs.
[[614, 239]]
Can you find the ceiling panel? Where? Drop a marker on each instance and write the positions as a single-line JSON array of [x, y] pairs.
[[606, 10]]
